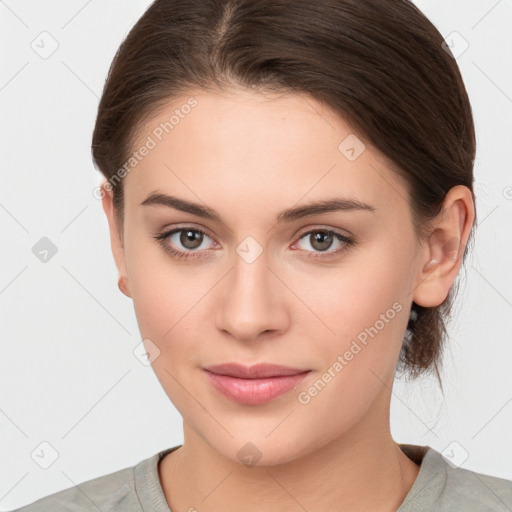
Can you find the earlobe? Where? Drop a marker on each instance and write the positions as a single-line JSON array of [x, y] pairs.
[[121, 284], [442, 255], [116, 241]]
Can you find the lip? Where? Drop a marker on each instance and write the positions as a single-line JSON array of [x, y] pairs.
[[254, 385], [256, 371]]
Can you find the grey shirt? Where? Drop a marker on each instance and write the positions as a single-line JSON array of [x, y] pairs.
[[438, 487]]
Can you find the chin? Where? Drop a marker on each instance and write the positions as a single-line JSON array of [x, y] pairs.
[[260, 450]]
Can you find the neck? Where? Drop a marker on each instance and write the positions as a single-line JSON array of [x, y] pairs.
[[364, 469]]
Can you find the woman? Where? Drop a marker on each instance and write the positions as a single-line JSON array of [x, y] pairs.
[[289, 191]]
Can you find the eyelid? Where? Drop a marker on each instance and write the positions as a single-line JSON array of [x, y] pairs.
[[184, 225]]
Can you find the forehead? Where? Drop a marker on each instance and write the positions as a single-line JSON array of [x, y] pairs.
[[248, 146]]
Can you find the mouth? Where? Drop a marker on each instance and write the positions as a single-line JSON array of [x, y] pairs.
[[254, 385]]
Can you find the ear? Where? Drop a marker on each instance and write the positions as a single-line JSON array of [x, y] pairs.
[[441, 257], [116, 237]]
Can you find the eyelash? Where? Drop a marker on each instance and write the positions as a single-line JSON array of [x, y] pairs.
[[162, 237]]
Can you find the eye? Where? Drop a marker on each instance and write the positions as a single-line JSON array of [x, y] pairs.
[[321, 240], [189, 241], [183, 242]]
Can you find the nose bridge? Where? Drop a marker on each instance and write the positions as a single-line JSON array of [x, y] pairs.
[[249, 302], [250, 277]]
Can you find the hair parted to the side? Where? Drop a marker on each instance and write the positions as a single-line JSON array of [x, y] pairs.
[[380, 64]]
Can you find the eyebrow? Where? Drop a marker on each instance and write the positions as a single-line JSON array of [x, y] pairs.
[[288, 215]]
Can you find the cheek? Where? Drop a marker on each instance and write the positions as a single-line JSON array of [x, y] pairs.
[[369, 316], [355, 297], [162, 289], [365, 306], [166, 305]]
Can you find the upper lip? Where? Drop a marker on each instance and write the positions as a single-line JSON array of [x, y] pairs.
[[261, 370]]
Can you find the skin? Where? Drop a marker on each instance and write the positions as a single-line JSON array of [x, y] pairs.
[[249, 156]]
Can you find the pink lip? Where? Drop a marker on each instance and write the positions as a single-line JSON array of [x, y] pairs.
[[256, 384]]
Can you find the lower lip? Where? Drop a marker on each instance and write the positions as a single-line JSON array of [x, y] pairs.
[[254, 391]]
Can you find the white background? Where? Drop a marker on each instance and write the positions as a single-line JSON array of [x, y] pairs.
[[68, 374]]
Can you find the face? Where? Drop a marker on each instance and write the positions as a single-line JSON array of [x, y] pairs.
[[324, 291]]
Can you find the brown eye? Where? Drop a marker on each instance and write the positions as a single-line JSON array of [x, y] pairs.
[[191, 239], [185, 242], [326, 241]]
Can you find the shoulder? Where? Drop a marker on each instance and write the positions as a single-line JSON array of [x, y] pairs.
[[114, 491], [133, 489], [443, 487], [475, 491]]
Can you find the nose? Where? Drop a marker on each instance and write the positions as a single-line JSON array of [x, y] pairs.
[[251, 302]]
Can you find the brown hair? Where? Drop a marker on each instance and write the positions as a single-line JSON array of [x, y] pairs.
[[380, 64]]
